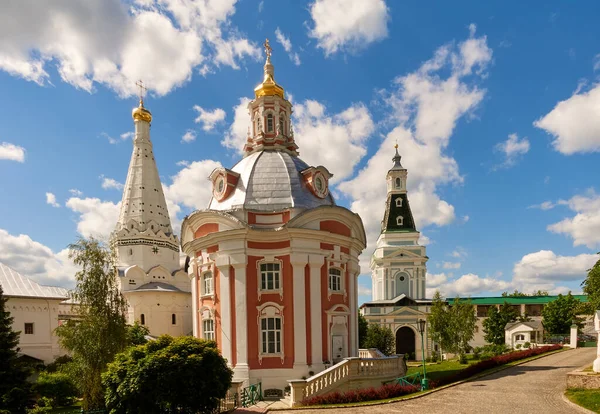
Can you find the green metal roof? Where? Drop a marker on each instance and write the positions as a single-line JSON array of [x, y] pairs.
[[515, 300]]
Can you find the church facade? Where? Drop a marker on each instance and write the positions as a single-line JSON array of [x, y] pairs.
[[151, 278], [274, 261], [399, 270]]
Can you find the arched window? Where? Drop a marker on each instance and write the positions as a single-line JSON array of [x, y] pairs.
[[398, 182], [520, 337], [270, 332], [270, 123], [399, 220], [173, 319], [335, 279], [398, 202], [208, 329], [207, 283], [143, 319], [281, 124]]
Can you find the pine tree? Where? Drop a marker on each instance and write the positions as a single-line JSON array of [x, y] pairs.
[[14, 389]]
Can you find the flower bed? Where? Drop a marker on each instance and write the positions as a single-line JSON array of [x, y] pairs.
[[395, 390], [366, 394]]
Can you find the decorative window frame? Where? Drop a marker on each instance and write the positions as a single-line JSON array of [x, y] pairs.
[[398, 182], [265, 116], [330, 276], [203, 293], [399, 221], [265, 311], [399, 202], [259, 290], [340, 263], [206, 314], [281, 121]]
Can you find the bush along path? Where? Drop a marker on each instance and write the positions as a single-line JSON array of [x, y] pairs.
[[395, 390]]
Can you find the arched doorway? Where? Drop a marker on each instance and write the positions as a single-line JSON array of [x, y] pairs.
[[405, 341]]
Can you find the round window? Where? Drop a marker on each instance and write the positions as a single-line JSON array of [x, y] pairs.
[[402, 278], [319, 184], [220, 185]]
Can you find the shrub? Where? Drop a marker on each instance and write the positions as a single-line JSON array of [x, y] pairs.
[[367, 394], [477, 352], [434, 356], [527, 345], [56, 386], [462, 359], [518, 346], [58, 363]]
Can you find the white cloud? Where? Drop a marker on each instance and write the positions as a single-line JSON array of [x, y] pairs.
[[597, 62], [76, 192], [451, 265], [426, 106], [101, 41], [182, 163], [51, 199], [189, 136], [12, 152], [97, 218], [512, 149], [287, 46], [546, 205], [127, 135], [35, 260], [209, 119], [464, 286], [235, 137], [459, 253], [111, 183], [191, 187], [424, 240], [584, 227], [364, 290], [574, 123], [543, 269], [348, 25]]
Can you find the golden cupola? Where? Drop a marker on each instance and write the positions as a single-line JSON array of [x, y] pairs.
[[268, 87], [140, 113]]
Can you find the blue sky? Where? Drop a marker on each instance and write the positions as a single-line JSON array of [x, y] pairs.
[[495, 108]]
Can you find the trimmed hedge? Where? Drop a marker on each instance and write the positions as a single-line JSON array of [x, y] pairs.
[[493, 362], [366, 394], [395, 390]]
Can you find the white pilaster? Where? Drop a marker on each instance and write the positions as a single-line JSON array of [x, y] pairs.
[[194, 288], [299, 262], [241, 372], [225, 299], [353, 299], [316, 263]]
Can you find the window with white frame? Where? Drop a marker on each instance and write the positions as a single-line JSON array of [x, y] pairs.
[[281, 124], [399, 220], [335, 279], [398, 202], [270, 276], [270, 332], [207, 283], [270, 123], [208, 329], [520, 337]]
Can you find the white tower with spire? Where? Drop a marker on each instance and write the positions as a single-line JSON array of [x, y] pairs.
[[151, 278]]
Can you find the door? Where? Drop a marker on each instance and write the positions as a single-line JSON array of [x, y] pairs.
[[405, 341], [338, 349]]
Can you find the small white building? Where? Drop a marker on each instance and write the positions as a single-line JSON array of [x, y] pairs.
[[518, 333], [35, 310]]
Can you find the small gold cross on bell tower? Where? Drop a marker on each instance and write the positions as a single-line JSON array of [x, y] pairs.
[[268, 49], [142, 93]]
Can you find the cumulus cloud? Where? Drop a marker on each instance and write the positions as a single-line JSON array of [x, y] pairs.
[[235, 137], [97, 218], [51, 199], [111, 183], [584, 227], [189, 136], [512, 149], [426, 105], [76, 192], [12, 152], [348, 25], [466, 285], [209, 119], [546, 205], [190, 186], [451, 265], [36, 261], [101, 41], [287, 46], [364, 290], [574, 123]]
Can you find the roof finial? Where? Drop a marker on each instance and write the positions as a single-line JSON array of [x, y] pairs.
[[397, 158], [143, 89], [268, 50]]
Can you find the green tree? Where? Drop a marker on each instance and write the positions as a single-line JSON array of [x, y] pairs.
[[14, 389], [169, 375], [439, 320], [363, 329], [452, 327], [559, 315], [495, 323], [591, 287], [136, 334], [100, 333], [380, 337], [56, 386]]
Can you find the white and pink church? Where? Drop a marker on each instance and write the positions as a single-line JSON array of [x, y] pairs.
[[273, 261]]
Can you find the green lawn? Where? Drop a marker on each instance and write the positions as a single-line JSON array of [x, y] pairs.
[[589, 399], [435, 371]]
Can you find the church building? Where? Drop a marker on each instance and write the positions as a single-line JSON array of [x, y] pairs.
[[399, 269], [274, 260], [150, 275]]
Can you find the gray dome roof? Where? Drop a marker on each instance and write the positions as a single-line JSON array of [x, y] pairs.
[[270, 181]]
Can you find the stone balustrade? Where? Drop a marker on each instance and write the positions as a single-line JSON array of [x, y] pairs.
[[370, 353], [349, 374]]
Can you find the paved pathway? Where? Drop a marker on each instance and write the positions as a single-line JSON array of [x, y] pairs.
[[534, 387]]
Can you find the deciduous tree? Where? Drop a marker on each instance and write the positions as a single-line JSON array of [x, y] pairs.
[[169, 375], [452, 327], [591, 287], [559, 315], [495, 323], [363, 329], [380, 337]]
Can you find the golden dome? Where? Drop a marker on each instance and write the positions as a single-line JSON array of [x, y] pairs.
[[268, 87], [142, 114]]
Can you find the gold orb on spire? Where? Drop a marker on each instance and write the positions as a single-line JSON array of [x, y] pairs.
[[140, 113], [268, 87]]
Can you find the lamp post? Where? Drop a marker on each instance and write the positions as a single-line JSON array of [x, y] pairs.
[[421, 323]]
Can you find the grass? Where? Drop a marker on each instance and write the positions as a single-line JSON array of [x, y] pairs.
[[589, 399], [441, 369]]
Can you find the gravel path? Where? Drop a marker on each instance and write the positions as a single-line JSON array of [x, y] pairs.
[[534, 387]]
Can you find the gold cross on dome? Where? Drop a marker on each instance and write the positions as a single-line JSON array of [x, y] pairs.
[[268, 48], [143, 89]]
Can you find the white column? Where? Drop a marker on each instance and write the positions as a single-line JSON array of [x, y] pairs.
[[241, 328], [225, 298], [354, 271], [316, 263], [194, 283], [299, 262]]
